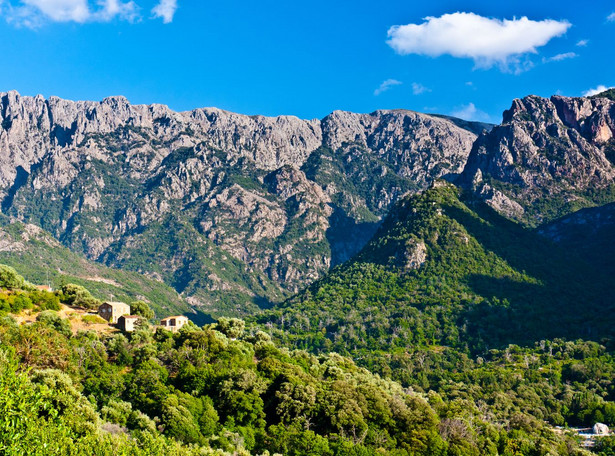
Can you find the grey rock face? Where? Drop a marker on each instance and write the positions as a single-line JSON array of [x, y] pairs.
[[231, 210], [556, 152], [420, 146], [415, 255]]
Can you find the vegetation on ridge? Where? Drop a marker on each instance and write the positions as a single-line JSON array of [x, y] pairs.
[[223, 390], [485, 282]]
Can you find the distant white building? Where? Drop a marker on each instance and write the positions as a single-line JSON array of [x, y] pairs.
[[127, 323], [175, 323], [600, 429]]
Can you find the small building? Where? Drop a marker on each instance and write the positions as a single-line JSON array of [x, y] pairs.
[[601, 429], [44, 288], [112, 311], [175, 323], [127, 323]]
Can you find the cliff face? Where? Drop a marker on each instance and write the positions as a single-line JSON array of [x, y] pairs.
[[549, 157], [231, 210]]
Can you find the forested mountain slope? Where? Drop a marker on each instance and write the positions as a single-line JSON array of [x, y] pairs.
[[236, 212], [446, 269], [453, 298], [232, 211]]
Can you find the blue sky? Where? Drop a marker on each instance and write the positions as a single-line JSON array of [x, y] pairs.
[[308, 58]]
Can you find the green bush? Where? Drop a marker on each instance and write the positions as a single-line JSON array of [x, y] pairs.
[[9, 278], [231, 327], [45, 300], [143, 309], [53, 320], [78, 296]]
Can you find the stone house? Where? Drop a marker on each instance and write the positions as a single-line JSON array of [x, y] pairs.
[[44, 288], [175, 323], [127, 323], [112, 311]]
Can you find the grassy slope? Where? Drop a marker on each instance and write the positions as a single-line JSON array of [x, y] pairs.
[[38, 256]]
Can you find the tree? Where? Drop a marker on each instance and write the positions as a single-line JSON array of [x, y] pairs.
[[231, 327], [143, 309], [53, 320], [178, 421], [10, 279], [78, 296]]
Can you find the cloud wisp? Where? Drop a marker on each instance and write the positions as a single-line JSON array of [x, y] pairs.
[[34, 13], [57, 10], [582, 43], [611, 17], [488, 42], [560, 57], [418, 89], [601, 88], [165, 10], [471, 112], [386, 85]]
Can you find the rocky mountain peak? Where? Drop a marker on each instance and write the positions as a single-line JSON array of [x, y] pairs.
[[559, 147]]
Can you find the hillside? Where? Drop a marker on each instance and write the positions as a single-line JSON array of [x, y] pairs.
[[223, 390], [452, 299], [444, 269], [43, 260], [454, 320], [589, 233]]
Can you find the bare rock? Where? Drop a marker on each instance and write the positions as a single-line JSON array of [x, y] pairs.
[[557, 150]]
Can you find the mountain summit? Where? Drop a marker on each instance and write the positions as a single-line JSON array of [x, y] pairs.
[[549, 157]]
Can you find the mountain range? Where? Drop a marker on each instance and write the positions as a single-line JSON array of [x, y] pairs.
[[239, 212], [234, 212], [408, 283]]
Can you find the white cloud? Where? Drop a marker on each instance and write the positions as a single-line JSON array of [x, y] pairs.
[[112, 8], [386, 85], [471, 112], [34, 13], [611, 17], [596, 91], [418, 89], [582, 43], [59, 10], [166, 10], [485, 40], [560, 57]]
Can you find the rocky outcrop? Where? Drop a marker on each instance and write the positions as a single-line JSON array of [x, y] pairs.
[[212, 202], [418, 145], [415, 254], [547, 158]]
